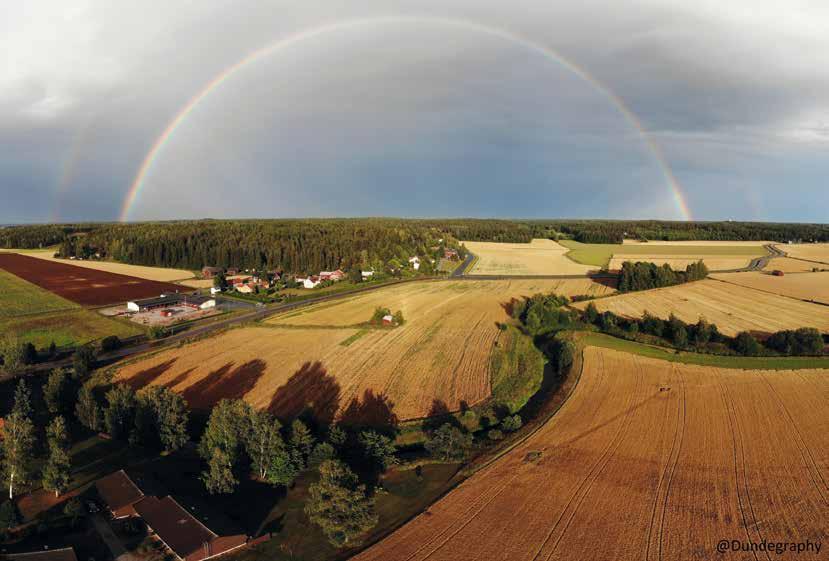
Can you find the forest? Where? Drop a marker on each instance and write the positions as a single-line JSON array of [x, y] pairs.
[[309, 245]]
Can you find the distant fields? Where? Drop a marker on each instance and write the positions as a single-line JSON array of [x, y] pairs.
[[601, 255], [325, 354], [36, 315], [810, 251], [803, 286], [733, 308], [539, 257]]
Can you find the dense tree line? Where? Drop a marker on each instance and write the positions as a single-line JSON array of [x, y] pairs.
[[644, 275]]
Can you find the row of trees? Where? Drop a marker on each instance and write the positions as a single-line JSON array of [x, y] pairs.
[[644, 275], [706, 337], [19, 445]]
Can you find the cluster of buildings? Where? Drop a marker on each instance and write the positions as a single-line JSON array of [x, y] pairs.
[[313, 281], [181, 532], [169, 301]]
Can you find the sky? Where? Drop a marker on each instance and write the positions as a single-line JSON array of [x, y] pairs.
[[706, 110]]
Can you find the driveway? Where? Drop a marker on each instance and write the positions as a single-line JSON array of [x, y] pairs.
[[119, 552]]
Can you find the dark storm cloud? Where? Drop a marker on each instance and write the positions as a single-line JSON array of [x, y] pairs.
[[414, 120]]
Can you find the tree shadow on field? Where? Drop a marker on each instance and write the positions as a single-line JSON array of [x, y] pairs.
[[148, 376], [373, 411], [311, 393], [179, 379], [438, 416], [224, 383], [509, 306], [610, 282]]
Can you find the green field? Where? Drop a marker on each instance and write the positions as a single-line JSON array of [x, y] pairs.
[[599, 254], [37, 316], [516, 369], [19, 298], [741, 362]]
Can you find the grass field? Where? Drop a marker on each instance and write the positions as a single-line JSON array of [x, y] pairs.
[[646, 460], [37, 316], [19, 298], [812, 287], [539, 257], [437, 360], [733, 308], [809, 251], [601, 254]]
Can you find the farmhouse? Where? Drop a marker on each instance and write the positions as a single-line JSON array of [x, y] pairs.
[[166, 300], [337, 275], [180, 531], [61, 554], [309, 282], [210, 272], [119, 493]]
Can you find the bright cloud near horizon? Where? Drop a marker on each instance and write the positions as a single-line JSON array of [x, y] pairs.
[[471, 108]]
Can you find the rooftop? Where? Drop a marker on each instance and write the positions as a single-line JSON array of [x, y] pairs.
[[62, 554], [176, 527], [118, 490]]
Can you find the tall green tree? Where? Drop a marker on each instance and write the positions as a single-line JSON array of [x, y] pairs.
[[58, 468], [449, 443], [378, 449], [302, 441], [119, 416], [55, 392], [11, 351], [339, 505], [263, 441], [22, 399], [83, 360], [18, 443], [222, 442], [87, 410], [166, 413]]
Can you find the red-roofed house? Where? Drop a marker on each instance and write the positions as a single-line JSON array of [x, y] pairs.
[[182, 533], [332, 275], [119, 493]]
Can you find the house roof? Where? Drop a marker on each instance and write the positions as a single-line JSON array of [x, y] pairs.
[[176, 527], [62, 554], [118, 490]]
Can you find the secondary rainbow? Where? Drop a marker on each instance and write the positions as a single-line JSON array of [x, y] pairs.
[[291, 40]]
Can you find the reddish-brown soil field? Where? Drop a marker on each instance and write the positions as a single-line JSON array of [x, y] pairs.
[[87, 287], [647, 460]]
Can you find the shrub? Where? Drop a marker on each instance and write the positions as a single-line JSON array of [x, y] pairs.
[[512, 423], [746, 345], [495, 434], [449, 443], [110, 343]]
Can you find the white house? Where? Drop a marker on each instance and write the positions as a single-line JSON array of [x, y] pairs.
[[244, 288], [214, 290], [415, 261], [368, 274], [309, 282]]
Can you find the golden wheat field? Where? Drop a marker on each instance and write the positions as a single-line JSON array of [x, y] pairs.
[[322, 355], [680, 262], [809, 251], [149, 273], [803, 286], [791, 265], [539, 257], [733, 308], [647, 460], [698, 243]]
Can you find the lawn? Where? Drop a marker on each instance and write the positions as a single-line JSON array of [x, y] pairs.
[[599, 254], [741, 362], [19, 298]]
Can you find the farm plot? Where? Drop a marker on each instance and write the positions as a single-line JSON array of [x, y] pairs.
[[603, 254], [791, 265], [160, 274], [812, 287], [323, 354], [646, 460], [88, 287], [539, 257], [809, 251], [679, 263], [19, 298], [733, 308]]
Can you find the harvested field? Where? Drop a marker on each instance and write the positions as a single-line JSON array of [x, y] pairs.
[[85, 286], [439, 358], [790, 265], [142, 272], [678, 263], [602, 254], [803, 286], [698, 243], [539, 257], [808, 251], [733, 308], [646, 460]]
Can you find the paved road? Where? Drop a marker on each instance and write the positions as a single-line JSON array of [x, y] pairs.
[[461, 269]]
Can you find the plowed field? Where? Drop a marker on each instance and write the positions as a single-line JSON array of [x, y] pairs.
[[85, 286], [733, 308], [647, 460], [322, 355]]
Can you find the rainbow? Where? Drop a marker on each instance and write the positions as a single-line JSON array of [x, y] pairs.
[[146, 165]]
